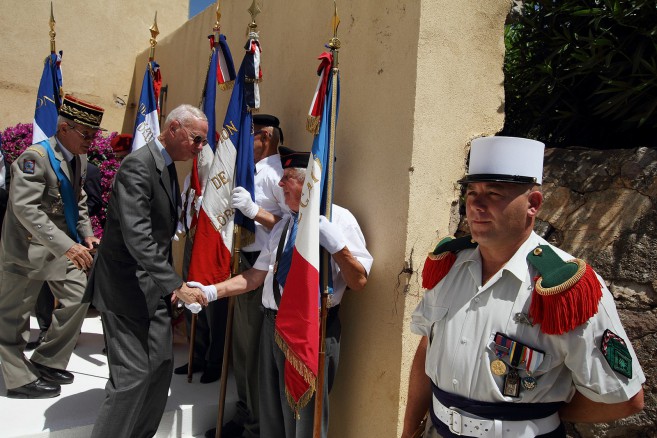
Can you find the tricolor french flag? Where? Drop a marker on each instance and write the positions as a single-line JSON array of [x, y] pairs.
[[297, 322], [48, 99], [147, 125], [232, 165]]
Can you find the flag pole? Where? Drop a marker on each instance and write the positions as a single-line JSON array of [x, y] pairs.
[[154, 33], [334, 46], [52, 32], [234, 270], [192, 335]]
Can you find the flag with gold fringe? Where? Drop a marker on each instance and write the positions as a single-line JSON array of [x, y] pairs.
[[297, 322]]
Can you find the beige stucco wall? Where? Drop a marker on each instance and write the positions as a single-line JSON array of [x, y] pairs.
[[460, 96], [100, 41], [419, 80]]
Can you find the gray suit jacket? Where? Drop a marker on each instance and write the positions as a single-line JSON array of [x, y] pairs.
[[34, 233], [133, 268]]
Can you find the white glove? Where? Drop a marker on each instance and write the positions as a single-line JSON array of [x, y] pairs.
[[180, 232], [209, 291], [194, 307], [241, 199], [330, 236]]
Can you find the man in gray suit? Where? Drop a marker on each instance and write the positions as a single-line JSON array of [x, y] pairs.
[[133, 281], [46, 236]]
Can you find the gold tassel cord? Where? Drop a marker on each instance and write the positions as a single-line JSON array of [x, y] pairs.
[[581, 268]]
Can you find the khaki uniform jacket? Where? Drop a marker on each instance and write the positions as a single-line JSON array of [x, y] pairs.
[[34, 233]]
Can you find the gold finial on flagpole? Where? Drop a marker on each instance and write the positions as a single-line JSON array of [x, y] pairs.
[[154, 33], [217, 25], [52, 30], [254, 10], [334, 43]]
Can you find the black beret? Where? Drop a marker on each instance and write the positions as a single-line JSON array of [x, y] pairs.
[[266, 120], [291, 158]]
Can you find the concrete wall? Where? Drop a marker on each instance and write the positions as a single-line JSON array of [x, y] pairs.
[[419, 80], [100, 41]]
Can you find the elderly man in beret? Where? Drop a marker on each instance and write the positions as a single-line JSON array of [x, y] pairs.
[[47, 236], [351, 263], [517, 335]]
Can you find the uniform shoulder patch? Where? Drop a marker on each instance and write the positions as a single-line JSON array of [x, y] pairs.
[[29, 166], [38, 150], [616, 353]]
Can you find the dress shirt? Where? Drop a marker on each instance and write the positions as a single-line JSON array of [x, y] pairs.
[[268, 196], [355, 242], [460, 316]]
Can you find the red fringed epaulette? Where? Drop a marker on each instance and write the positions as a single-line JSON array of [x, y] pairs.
[[566, 294], [441, 259]]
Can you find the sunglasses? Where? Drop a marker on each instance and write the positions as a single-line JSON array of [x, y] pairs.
[[197, 139], [84, 135]]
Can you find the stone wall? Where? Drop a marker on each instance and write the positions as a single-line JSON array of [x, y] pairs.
[[600, 206]]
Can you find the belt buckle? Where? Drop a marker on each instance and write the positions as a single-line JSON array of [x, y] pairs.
[[455, 422]]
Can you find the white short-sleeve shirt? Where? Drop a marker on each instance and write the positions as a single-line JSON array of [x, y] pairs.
[[460, 316], [268, 196], [355, 242]]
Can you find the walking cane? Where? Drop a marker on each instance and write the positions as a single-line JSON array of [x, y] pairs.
[[237, 234], [192, 340]]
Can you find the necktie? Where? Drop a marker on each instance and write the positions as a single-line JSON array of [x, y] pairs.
[[173, 175], [286, 258], [75, 175]]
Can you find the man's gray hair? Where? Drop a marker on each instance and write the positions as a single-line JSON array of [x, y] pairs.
[[184, 113], [298, 173]]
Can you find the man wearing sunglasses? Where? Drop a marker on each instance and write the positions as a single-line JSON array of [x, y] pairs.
[[133, 283], [47, 236]]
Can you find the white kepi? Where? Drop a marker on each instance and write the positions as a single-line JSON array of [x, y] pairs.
[[505, 159]]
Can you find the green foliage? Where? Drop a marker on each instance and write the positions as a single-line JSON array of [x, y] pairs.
[[583, 72]]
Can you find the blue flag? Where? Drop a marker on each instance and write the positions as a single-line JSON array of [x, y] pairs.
[[232, 166], [210, 98], [238, 110], [48, 100], [147, 125]]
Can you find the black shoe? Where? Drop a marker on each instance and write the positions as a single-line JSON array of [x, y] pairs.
[[34, 344], [211, 433], [196, 367], [54, 375], [36, 389], [211, 374], [231, 430]]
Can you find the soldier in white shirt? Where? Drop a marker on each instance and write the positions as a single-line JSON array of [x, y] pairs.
[[517, 336]]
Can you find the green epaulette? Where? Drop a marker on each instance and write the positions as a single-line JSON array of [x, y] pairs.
[[441, 259], [566, 294]]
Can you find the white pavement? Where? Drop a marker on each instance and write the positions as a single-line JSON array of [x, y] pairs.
[[191, 407]]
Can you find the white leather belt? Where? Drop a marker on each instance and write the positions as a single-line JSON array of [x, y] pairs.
[[466, 424]]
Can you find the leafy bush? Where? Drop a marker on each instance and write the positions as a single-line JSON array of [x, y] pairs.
[[583, 72]]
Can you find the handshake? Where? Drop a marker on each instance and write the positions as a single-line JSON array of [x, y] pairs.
[[210, 293]]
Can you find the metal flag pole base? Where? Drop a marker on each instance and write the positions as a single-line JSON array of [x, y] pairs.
[[192, 341]]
